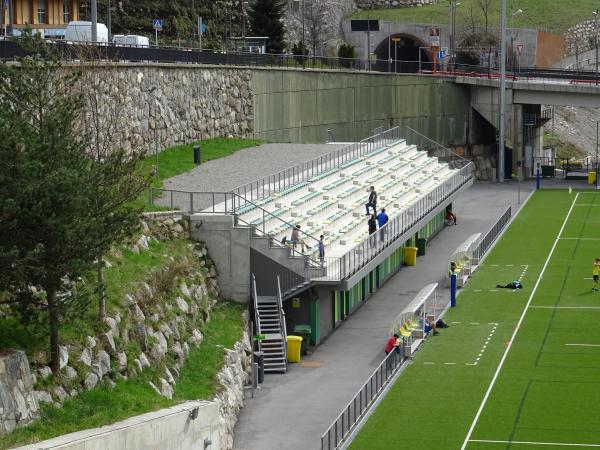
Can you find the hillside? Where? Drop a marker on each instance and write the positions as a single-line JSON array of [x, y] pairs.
[[551, 15]]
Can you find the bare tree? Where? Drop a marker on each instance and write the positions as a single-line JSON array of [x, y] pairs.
[[486, 7], [105, 93], [313, 14]]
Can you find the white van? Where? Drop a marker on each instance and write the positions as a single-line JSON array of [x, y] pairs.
[[80, 31], [131, 40]]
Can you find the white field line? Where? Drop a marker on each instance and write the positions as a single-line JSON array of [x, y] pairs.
[[583, 345], [514, 335], [579, 239], [555, 444], [567, 307]]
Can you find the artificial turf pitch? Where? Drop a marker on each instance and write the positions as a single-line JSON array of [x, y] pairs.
[[464, 390]]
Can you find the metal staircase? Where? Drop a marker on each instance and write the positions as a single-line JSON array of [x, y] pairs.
[[269, 319]]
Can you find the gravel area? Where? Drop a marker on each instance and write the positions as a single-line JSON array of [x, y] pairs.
[[244, 166], [247, 165]]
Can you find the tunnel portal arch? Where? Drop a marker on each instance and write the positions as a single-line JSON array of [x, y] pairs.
[[406, 51]]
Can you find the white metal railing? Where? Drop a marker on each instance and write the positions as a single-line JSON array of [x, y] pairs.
[[256, 313], [491, 236], [282, 318]]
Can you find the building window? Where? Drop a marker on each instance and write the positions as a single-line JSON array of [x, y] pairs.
[[41, 12], [66, 11]]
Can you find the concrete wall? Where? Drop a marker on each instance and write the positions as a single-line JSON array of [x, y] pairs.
[[300, 106], [169, 428], [229, 248]]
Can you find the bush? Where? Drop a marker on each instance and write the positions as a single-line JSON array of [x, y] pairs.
[[298, 49], [346, 52]]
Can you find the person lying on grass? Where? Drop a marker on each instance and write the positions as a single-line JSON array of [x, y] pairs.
[[512, 285]]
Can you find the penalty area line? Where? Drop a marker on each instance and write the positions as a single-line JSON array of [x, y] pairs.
[[514, 335], [555, 444]]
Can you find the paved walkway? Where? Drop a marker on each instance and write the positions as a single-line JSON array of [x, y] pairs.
[[291, 411]]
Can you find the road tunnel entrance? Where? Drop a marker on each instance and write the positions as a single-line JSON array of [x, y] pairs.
[[405, 51]]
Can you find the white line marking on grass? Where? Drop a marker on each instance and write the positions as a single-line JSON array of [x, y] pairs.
[[583, 345], [455, 322], [566, 307], [556, 444], [510, 265], [450, 364], [477, 290], [428, 363], [474, 323], [514, 335], [580, 239]]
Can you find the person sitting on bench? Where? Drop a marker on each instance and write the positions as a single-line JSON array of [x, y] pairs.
[[450, 217], [430, 325]]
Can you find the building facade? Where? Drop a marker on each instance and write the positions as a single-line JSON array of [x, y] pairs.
[[48, 17]]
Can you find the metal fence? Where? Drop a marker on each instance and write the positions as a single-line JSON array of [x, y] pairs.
[[491, 236], [354, 411], [10, 49]]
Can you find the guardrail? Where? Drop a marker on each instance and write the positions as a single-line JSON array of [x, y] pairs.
[[354, 411], [10, 50], [491, 236]]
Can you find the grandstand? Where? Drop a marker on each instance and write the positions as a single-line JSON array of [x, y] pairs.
[[244, 230]]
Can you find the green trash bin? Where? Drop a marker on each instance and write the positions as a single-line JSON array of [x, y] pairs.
[[421, 244], [304, 332]]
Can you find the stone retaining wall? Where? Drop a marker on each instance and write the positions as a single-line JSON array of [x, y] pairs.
[[374, 4], [581, 37], [18, 406], [161, 106]]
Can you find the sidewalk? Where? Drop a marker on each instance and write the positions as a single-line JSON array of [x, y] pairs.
[[291, 411]]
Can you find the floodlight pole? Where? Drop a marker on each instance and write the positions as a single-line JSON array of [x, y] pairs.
[[502, 127]]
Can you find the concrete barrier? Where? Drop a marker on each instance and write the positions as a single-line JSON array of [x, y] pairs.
[[172, 428]]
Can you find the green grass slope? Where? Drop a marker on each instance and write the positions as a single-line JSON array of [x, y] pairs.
[[541, 393], [553, 15]]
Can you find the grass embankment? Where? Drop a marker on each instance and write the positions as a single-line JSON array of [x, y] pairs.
[[180, 159], [552, 15], [551, 370], [127, 271], [104, 405]]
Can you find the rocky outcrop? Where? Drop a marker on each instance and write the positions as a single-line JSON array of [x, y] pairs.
[[18, 404]]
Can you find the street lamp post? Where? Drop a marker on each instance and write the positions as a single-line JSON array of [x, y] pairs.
[[595, 13], [502, 127], [453, 6], [154, 109], [513, 14]]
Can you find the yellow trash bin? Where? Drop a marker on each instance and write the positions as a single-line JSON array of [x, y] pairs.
[[294, 345], [410, 256], [591, 177]]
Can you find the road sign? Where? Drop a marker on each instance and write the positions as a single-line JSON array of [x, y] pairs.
[[520, 49], [157, 24], [434, 36]]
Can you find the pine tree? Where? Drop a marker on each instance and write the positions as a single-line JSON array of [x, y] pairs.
[[266, 19], [60, 208]]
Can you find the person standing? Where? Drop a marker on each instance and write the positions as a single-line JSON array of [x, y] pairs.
[[372, 201], [321, 246], [372, 223], [382, 219], [295, 238], [595, 274], [392, 344]]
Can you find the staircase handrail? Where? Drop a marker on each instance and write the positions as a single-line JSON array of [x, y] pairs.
[[256, 312], [282, 318]]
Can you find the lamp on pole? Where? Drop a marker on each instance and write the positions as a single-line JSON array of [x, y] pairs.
[[453, 5], [502, 127], [244, 5], [109, 20], [513, 14], [301, 3], [595, 13]]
